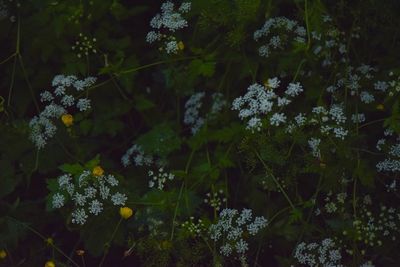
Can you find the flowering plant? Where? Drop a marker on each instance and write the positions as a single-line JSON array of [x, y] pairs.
[[199, 133]]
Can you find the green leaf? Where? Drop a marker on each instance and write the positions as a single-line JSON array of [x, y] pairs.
[[93, 162], [73, 169], [161, 140], [199, 67], [142, 103]]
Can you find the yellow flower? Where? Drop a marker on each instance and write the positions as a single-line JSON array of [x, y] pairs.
[[50, 264], [125, 212], [80, 252], [3, 254], [181, 46], [49, 241], [380, 107], [67, 119], [97, 171]]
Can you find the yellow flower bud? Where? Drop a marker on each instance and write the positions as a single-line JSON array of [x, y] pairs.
[[80, 252], [3, 254], [125, 212], [67, 119], [166, 244], [181, 46], [380, 107], [50, 264], [49, 241], [97, 171]]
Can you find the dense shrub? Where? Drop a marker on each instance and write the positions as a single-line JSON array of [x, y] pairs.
[[202, 133]]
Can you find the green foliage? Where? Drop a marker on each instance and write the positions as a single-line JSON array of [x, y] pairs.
[[179, 160]]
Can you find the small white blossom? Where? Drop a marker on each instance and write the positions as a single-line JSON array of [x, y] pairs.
[[79, 216], [119, 199], [95, 207], [83, 104], [294, 89], [366, 97], [277, 118], [58, 200]]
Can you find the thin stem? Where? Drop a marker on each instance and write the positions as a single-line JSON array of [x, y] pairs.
[[28, 83], [176, 211], [189, 161], [370, 122], [83, 261], [119, 88], [208, 244], [7, 59], [307, 25], [18, 44], [44, 239], [12, 82], [275, 180], [298, 69], [107, 245], [153, 64]]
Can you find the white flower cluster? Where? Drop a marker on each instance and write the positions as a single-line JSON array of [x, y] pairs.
[[195, 229], [136, 155], [335, 204], [192, 112], [358, 118], [158, 179], [329, 46], [5, 12], [169, 20], [314, 145], [367, 264], [216, 199], [84, 46], [331, 121], [394, 85], [231, 227], [318, 254], [58, 102], [391, 187], [218, 103], [353, 80], [88, 195], [278, 26], [392, 162], [372, 229], [259, 100], [193, 105]]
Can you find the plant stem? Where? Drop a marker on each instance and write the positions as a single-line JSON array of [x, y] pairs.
[[107, 245], [307, 25], [176, 210], [44, 239], [153, 64], [275, 180]]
